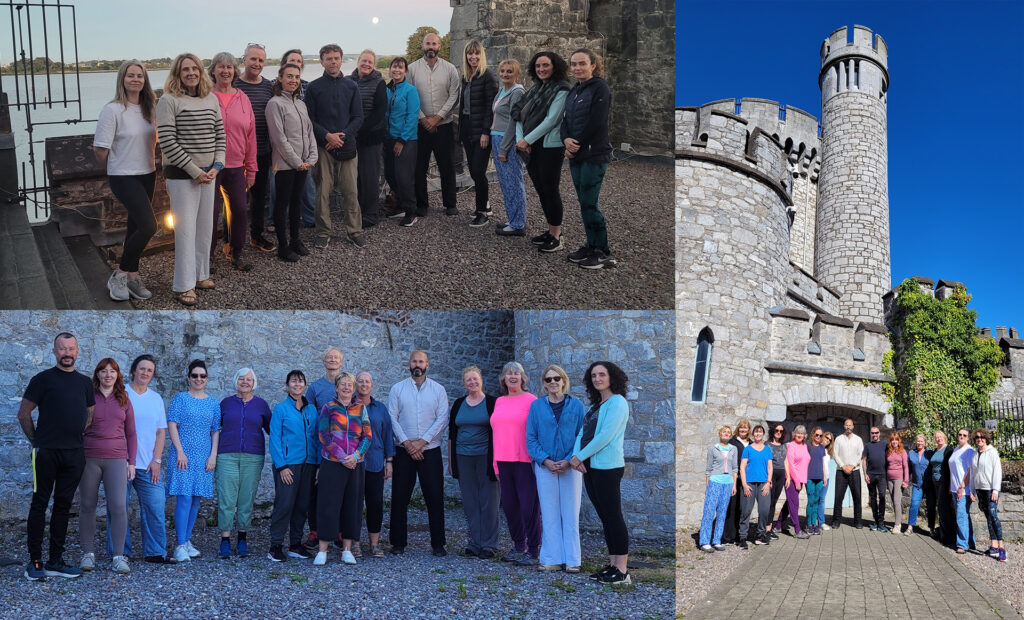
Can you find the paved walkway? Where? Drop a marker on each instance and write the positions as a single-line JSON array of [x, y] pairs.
[[851, 573]]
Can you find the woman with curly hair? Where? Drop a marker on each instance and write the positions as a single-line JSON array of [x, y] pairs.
[[110, 445], [598, 456]]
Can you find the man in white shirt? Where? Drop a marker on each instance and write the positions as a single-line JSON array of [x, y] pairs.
[[419, 417], [847, 453]]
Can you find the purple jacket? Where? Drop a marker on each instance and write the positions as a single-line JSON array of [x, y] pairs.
[[242, 425]]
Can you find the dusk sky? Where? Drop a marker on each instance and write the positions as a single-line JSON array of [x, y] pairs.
[[112, 29], [956, 202]]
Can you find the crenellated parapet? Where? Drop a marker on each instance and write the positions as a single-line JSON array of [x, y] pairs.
[[715, 135], [806, 291], [826, 344], [862, 65]]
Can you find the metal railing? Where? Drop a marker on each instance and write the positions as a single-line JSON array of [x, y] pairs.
[[31, 21], [1005, 420]]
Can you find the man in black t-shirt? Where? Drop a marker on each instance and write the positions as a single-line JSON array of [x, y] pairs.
[[874, 464], [65, 398]]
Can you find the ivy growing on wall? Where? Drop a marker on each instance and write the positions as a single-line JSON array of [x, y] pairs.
[[938, 360]]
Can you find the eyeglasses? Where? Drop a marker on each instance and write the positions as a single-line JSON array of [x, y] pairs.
[[817, 434], [876, 433], [551, 379], [255, 45], [197, 376], [961, 434], [780, 430], [977, 437]]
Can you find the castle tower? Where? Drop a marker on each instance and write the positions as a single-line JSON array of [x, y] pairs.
[[852, 222]]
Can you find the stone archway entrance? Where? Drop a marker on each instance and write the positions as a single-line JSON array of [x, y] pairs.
[[830, 417]]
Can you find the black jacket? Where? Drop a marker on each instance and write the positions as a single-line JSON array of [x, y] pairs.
[[373, 96], [587, 108], [453, 431], [482, 91]]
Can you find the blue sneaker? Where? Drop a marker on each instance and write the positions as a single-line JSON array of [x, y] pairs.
[[874, 528], [34, 571], [883, 529], [225, 548], [242, 549]]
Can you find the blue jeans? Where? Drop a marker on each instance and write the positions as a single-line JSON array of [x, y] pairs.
[[927, 493], [186, 509], [821, 503], [716, 501], [814, 495], [964, 525], [989, 507], [151, 517]]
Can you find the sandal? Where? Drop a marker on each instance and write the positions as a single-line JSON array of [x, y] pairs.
[[188, 298], [205, 284], [377, 551]]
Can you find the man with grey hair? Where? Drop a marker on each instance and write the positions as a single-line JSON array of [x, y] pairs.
[[319, 393], [419, 417], [438, 83], [65, 398], [259, 90]]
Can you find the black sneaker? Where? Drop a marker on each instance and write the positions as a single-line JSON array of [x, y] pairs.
[[743, 545], [300, 248], [440, 552], [396, 214], [277, 554], [299, 551], [551, 245], [357, 240], [321, 242], [288, 256], [240, 265], [57, 568], [397, 550], [408, 221], [34, 571], [772, 535], [262, 243], [761, 540], [604, 571], [615, 576], [541, 239], [451, 211], [486, 554], [580, 254], [598, 260], [479, 220]]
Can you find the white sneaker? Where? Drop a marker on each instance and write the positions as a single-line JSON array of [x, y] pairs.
[[346, 557], [321, 558], [909, 532], [896, 531], [117, 285], [181, 554], [192, 551], [825, 527], [88, 561], [120, 565]]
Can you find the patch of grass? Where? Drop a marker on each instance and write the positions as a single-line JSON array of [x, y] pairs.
[[488, 578], [552, 592], [654, 553], [563, 585], [296, 578], [459, 580], [440, 571], [462, 591], [441, 587], [622, 588], [274, 574]]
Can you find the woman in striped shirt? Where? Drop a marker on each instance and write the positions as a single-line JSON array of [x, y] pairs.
[[192, 141]]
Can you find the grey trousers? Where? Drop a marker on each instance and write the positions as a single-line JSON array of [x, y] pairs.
[[894, 488], [114, 474], [291, 503], [747, 506], [480, 500]]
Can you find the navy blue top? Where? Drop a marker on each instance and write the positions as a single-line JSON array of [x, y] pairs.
[[874, 451], [757, 462], [334, 105], [382, 442], [815, 471]]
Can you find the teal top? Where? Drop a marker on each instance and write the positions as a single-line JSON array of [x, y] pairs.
[[550, 128], [605, 449], [723, 478]]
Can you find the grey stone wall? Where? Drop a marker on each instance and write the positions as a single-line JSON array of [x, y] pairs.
[[642, 344]]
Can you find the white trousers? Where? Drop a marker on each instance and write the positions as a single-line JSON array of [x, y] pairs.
[[559, 496], [192, 207]]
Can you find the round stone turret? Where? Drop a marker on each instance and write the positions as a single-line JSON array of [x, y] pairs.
[[852, 220]]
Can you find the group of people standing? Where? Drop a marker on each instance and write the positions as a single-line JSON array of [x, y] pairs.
[[223, 129], [332, 446], [743, 470]]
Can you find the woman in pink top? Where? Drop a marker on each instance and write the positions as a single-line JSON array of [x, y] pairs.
[[239, 171], [514, 465], [109, 443], [797, 460], [897, 477]]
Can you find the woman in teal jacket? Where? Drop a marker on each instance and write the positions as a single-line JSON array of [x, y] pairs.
[[551, 429], [400, 141], [598, 456], [294, 450], [538, 117]]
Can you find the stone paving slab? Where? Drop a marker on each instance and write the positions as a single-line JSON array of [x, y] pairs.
[[851, 573]]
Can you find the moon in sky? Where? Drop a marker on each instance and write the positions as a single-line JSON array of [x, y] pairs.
[[375, 20]]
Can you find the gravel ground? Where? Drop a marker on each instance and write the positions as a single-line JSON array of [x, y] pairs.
[[697, 573], [1003, 577], [442, 262], [412, 585]]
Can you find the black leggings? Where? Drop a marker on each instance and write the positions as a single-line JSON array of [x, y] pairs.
[[603, 490], [290, 185], [778, 484], [373, 492], [477, 158], [136, 194], [545, 170]]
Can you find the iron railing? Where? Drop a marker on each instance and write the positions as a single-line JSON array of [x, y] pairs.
[[1005, 420]]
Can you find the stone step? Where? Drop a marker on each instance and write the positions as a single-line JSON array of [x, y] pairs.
[[23, 282], [76, 273]]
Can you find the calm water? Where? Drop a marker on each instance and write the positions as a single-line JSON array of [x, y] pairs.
[[95, 90]]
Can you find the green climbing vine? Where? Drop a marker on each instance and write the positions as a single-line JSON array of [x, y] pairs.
[[938, 360]]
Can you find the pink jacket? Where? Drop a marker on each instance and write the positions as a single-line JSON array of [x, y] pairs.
[[799, 458], [239, 131]]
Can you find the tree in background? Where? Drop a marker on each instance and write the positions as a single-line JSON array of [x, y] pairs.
[[414, 47], [938, 360]]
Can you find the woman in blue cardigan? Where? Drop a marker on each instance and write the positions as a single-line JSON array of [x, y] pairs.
[[598, 456], [400, 140], [294, 450], [551, 429]]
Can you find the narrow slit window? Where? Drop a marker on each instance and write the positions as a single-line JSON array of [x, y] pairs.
[[856, 74], [702, 367]]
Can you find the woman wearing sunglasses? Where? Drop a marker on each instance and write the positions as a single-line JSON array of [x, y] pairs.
[[817, 478], [777, 443], [193, 423], [961, 488]]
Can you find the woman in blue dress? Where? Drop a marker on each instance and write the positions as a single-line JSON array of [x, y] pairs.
[[193, 423]]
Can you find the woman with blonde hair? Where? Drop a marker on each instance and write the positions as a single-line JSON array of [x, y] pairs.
[[503, 139], [720, 485], [817, 478], [830, 471], [740, 440], [479, 87], [125, 142], [192, 141], [551, 429]]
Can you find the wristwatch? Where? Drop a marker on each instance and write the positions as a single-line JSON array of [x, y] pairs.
[[157, 461]]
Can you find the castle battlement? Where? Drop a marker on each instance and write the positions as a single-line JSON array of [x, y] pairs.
[[843, 66], [712, 134], [804, 289], [805, 339], [865, 43]]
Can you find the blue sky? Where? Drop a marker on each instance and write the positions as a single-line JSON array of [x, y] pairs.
[[955, 104], [109, 29]]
